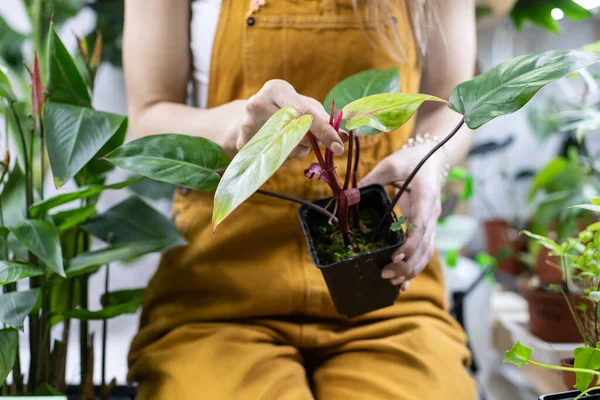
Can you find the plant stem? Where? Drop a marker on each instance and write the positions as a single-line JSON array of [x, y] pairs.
[[412, 175], [349, 163], [586, 392], [308, 204], [29, 191], [316, 150], [105, 327], [575, 318], [561, 368], [355, 208]]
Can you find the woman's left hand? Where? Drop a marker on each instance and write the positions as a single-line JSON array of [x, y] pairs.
[[421, 203]]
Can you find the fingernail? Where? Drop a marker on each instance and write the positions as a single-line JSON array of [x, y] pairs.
[[405, 286], [337, 148], [398, 280], [399, 258], [388, 274]]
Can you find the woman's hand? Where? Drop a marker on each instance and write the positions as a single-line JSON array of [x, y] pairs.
[[421, 203], [274, 95]]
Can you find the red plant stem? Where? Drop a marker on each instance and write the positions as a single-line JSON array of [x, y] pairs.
[[414, 172], [316, 149], [355, 209], [349, 164], [308, 204]]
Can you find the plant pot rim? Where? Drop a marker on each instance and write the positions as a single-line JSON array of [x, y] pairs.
[[526, 286], [313, 254]]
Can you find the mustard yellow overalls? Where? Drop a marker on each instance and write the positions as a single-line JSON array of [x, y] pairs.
[[243, 313]]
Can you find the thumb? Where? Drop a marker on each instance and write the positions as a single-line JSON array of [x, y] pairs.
[[384, 173]]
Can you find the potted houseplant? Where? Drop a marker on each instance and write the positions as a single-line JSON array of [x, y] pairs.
[[45, 239], [200, 164], [580, 262]]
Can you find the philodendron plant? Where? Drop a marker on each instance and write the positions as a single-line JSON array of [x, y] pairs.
[[362, 109], [45, 240]]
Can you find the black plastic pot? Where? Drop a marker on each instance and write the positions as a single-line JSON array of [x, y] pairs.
[[570, 395], [118, 393], [355, 284]]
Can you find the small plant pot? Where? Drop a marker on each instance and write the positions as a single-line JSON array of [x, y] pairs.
[[546, 268], [569, 377], [499, 237], [595, 395], [549, 316], [117, 393], [355, 283]]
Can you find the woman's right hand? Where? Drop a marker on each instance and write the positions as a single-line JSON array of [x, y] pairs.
[[274, 95]]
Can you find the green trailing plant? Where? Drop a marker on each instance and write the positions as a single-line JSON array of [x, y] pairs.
[[45, 239]]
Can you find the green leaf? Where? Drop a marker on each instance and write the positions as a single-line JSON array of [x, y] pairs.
[[451, 258], [258, 160], [192, 162], [384, 112], [485, 260], [589, 207], [396, 226], [22, 109], [546, 242], [10, 45], [65, 83], [462, 174], [509, 86], [13, 198], [133, 220], [98, 167], [152, 189], [410, 227], [519, 355], [366, 83], [5, 87], [592, 47], [46, 390], [66, 220], [585, 358], [41, 238], [90, 261], [42, 207], [15, 306], [108, 312], [122, 296], [594, 296], [75, 134], [9, 339], [12, 271], [540, 13]]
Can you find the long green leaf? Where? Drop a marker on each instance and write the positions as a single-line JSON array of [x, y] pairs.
[[5, 87], [366, 83], [8, 351], [133, 220], [75, 135], [122, 296], [590, 207], [66, 220], [258, 160], [384, 112], [192, 162], [15, 306], [41, 238], [540, 13], [12, 271], [585, 358], [13, 198], [90, 261], [105, 313], [42, 207], [65, 83], [509, 86]]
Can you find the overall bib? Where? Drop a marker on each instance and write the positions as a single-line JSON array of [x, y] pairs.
[[243, 313]]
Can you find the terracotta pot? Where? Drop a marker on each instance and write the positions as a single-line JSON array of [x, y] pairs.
[[549, 316], [547, 268], [569, 377], [499, 237]]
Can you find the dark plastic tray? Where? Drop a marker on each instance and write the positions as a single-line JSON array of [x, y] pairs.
[[570, 395], [355, 284]]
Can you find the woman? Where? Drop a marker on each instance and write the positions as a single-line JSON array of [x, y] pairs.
[[243, 313]]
